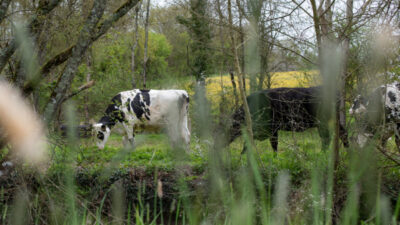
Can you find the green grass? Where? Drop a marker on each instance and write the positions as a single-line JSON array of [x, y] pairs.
[[207, 186]]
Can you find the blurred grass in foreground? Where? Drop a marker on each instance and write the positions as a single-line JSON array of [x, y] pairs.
[[121, 186]]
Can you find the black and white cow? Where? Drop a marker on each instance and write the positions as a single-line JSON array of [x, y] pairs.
[[289, 109], [378, 114], [167, 109]]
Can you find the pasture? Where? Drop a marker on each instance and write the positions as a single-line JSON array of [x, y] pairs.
[[156, 184], [152, 112], [153, 185]]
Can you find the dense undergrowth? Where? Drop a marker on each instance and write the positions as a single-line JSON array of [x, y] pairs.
[[152, 185]]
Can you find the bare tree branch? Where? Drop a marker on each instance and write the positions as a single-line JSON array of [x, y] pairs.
[[384, 152], [83, 42], [90, 32], [80, 89], [63, 56], [45, 7]]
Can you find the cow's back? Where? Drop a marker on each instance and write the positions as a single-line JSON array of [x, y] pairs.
[[167, 104], [291, 109], [153, 107], [294, 109]]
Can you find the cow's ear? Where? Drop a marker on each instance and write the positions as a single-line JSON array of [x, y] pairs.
[[103, 128]]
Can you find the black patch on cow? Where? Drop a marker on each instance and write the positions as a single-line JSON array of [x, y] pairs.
[[100, 135], [392, 97], [358, 102], [140, 104], [136, 106], [186, 98], [108, 121], [113, 112], [398, 86], [128, 105], [146, 96]]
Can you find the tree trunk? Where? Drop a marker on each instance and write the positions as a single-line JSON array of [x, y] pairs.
[[3, 9], [343, 78], [83, 42], [234, 88], [63, 56], [264, 53], [90, 32], [89, 60], [146, 39], [136, 40], [222, 41], [240, 75], [242, 52]]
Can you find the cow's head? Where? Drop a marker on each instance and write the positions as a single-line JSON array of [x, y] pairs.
[[359, 106], [102, 132]]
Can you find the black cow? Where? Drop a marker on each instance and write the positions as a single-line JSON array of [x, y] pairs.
[[289, 109]]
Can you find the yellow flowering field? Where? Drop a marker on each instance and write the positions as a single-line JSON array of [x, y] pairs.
[[221, 85]]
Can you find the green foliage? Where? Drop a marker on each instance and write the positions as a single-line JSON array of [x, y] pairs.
[[200, 33], [111, 68]]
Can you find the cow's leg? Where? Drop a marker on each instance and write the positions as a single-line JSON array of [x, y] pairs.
[[129, 133], [274, 140]]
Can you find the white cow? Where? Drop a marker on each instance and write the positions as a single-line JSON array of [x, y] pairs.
[[167, 109]]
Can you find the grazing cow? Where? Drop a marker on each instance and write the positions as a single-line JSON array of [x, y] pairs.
[[163, 108], [289, 109], [378, 113]]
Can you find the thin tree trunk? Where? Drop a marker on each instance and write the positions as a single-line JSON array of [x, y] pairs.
[[222, 41], [234, 88], [3, 9], [136, 40], [263, 56], [146, 40], [316, 20], [241, 38], [89, 60], [343, 78], [240, 75]]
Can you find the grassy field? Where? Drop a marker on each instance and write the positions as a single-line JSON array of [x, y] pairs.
[[153, 185]]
